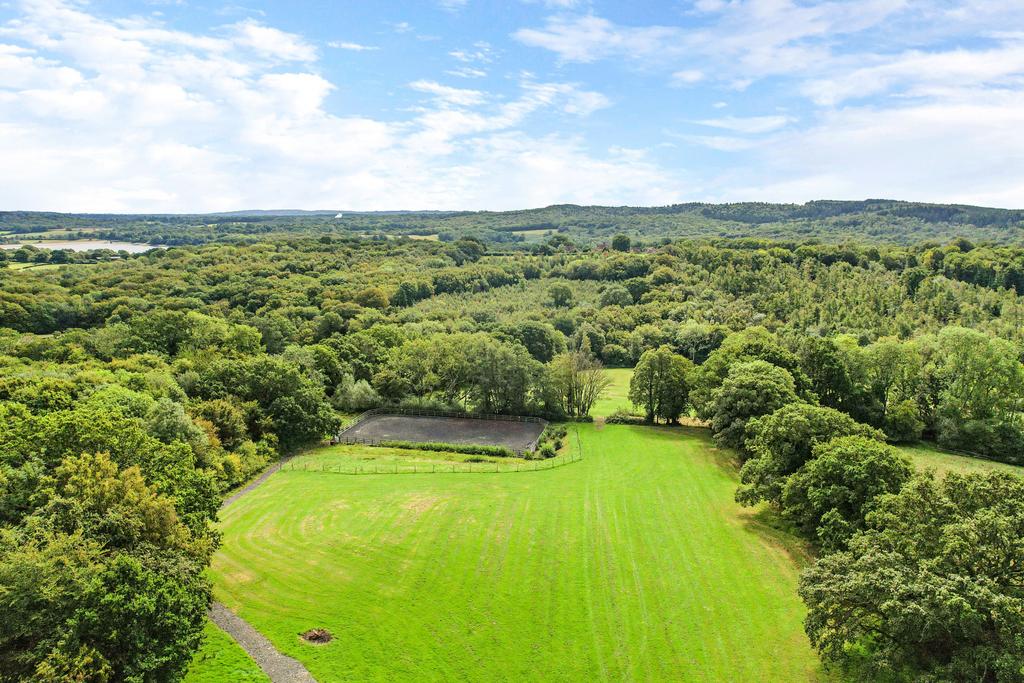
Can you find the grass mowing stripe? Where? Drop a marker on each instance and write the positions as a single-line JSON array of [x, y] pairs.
[[632, 564]]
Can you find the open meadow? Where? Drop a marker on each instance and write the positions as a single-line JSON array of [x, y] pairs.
[[634, 563], [925, 455], [616, 396]]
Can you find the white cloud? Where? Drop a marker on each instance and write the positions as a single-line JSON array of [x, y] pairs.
[[272, 42], [466, 72], [959, 151], [747, 124], [721, 143], [687, 77], [354, 47], [743, 39], [452, 5], [127, 115], [589, 38], [480, 53], [461, 97], [558, 4], [919, 73]]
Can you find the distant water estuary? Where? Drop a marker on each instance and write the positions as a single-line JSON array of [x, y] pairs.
[[86, 245]]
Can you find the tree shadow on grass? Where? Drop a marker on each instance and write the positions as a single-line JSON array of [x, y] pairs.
[[772, 528]]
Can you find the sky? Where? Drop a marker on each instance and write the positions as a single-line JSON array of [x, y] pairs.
[[202, 105]]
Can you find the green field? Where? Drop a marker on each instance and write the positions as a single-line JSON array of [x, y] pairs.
[[616, 396], [220, 660], [925, 455], [35, 267], [633, 564], [535, 234], [343, 459]]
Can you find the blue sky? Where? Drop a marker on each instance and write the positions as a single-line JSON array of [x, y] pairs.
[[189, 105]]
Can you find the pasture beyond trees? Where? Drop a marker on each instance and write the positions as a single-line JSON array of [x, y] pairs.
[[634, 563]]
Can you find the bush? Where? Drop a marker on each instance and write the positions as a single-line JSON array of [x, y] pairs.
[[426, 403], [551, 440], [750, 390], [472, 449], [620, 417], [355, 396], [781, 443], [930, 590]]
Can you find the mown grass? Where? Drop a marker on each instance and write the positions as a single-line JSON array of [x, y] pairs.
[[386, 460], [616, 396], [221, 659], [634, 564], [926, 455]]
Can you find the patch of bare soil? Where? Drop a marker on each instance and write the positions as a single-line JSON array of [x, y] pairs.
[[317, 636]]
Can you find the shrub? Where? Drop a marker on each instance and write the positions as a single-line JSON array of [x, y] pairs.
[[615, 356], [930, 591], [472, 449], [620, 417], [355, 396], [1001, 441]]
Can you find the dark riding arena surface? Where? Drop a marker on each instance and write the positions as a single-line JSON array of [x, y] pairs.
[[458, 430]]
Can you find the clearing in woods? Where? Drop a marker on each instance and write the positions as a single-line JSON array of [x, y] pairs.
[[616, 396], [633, 564]]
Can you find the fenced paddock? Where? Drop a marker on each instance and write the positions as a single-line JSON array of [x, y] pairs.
[[517, 433]]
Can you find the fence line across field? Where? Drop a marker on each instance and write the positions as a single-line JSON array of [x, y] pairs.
[[439, 468], [435, 468]]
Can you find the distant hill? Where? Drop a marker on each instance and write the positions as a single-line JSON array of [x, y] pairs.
[[871, 220]]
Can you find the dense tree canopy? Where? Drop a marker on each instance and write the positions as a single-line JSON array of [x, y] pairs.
[[932, 589], [751, 389], [829, 497], [169, 377], [780, 443]]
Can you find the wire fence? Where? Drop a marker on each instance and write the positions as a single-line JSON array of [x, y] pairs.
[[487, 467]]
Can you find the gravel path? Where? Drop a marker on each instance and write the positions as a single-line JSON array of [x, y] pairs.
[[280, 668], [254, 483]]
